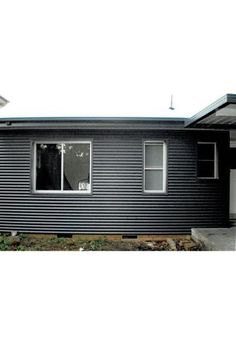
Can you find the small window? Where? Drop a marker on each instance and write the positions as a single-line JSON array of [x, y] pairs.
[[63, 167], [154, 166], [207, 160]]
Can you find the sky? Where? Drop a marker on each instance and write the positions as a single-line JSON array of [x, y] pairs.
[[115, 57]]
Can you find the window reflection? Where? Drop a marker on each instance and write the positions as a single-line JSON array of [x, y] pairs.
[[48, 176], [76, 167], [70, 160]]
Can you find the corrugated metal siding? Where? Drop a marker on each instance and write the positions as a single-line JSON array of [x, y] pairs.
[[117, 204]]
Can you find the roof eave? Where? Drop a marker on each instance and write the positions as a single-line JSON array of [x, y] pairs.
[[220, 103], [93, 119]]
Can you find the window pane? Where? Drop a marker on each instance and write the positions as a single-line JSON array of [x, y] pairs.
[[232, 158], [153, 180], [48, 167], [77, 166], [153, 155], [206, 169], [206, 151]]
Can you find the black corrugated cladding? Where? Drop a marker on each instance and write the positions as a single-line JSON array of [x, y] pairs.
[[117, 204]]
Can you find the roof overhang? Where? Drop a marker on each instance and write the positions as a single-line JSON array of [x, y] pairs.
[[91, 123], [219, 115]]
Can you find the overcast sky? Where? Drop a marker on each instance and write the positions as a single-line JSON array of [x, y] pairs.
[[115, 58]]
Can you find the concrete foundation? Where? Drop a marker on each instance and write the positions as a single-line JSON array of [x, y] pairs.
[[216, 239]]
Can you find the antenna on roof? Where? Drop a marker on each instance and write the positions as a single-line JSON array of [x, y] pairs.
[[3, 101], [171, 103]]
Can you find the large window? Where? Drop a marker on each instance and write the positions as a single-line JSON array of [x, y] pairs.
[[207, 160], [154, 166], [62, 167]]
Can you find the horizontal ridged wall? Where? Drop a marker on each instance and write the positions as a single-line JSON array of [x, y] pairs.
[[117, 204]]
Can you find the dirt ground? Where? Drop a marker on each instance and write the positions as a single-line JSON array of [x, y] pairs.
[[26, 242]]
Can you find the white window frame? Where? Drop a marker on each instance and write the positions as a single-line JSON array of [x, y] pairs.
[[216, 164], [163, 168], [35, 143]]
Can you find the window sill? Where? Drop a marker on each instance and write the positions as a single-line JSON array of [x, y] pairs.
[[61, 193], [155, 192]]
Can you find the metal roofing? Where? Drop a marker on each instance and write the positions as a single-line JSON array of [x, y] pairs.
[[94, 118], [91, 122], [220, 114]]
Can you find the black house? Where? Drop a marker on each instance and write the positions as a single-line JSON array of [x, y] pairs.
[[119, 175]]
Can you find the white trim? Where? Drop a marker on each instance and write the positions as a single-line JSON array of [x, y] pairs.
[[163, 168], [61, 191], [216, 163], [62, 167]]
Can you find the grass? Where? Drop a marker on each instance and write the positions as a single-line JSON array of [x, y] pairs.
[[27, 242]]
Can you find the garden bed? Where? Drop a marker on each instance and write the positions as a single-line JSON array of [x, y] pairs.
[[27, 242]]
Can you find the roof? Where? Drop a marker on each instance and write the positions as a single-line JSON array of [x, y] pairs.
[[93, 118], [220, 114], [92, 123]]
